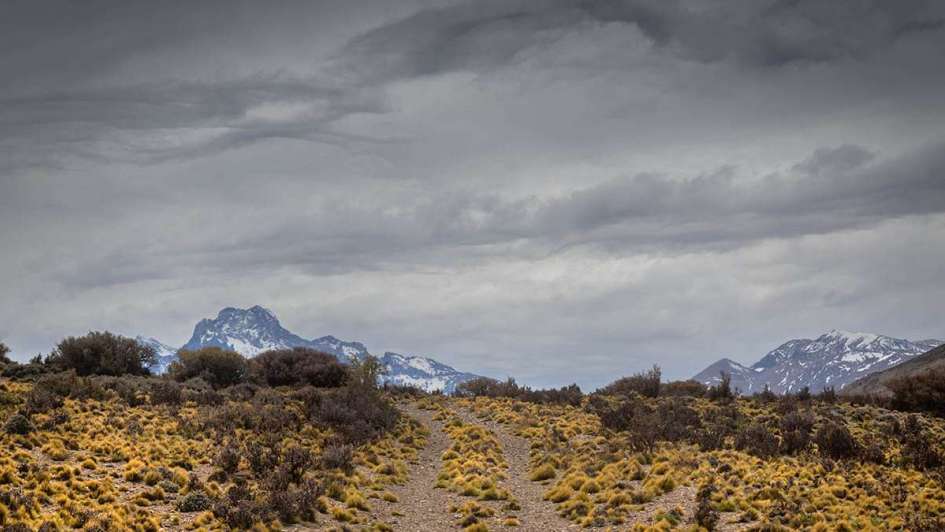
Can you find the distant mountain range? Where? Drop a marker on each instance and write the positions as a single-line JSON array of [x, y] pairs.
[[834, 359], [255, 330]]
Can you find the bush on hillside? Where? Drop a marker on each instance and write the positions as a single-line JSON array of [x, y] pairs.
[[298, 366], [920, 393], [722, 392], [834, 440], [646, 384], [102, 353], [4, 350], [219, 367], [485, 387], [358, 413], [689, 388], [796, 430], [756, 439]]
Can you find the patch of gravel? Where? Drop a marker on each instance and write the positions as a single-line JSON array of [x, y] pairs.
[[424, 508]]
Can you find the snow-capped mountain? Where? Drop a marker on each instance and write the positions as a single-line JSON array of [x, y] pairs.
[[165, 354], [424, 373], [256, 329], [246, 331], [834, 359]]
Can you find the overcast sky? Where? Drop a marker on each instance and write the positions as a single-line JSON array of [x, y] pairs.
[[558, 190]]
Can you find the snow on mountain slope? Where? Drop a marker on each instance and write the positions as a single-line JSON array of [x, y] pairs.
[[834, 359], [246, 331], [256, 329], [742, 376], [424, 373], [165, 354]]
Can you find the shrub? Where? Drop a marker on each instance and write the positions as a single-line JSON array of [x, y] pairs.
[[217, 366], [359, 414], [689, 388], [796, 428], [834, 440], [646, 384], [102, 353], [296, 366], [706, 516], [337, 455], [26, 371], [228, 459], [49, 391], [485, 387], [756, 439], [195, 501], [18, 424], [917, 448], [166, 393], [4, 350], [920, 393], [722, 391]]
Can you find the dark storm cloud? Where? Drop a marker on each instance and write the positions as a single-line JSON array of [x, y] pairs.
[[484, 35]]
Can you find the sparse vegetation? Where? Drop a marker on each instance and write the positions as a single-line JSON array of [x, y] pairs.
[[294, 437]]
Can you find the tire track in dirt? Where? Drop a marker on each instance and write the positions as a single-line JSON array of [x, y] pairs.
[[424, 508], [537, 514]]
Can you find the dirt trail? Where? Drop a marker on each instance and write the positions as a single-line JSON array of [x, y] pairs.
[[536, 514], [424, 508]]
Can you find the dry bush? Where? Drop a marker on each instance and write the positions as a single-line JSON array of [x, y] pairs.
[[689, 388], [298, 366], [920, 393], [834, 440], [646, 384], [757, 440], [219, 367], [102, 353], [796, 430], [486, 387], [165, 392], [358, 413]]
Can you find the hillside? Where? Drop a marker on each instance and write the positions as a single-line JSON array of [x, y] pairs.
[[832, 360], [875, 384]]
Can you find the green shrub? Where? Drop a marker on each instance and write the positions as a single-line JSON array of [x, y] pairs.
[[18, 424], [102, 353], [216, 366], [920, 393], [195, 501], [4, 350], [834, 440], [298, 366], [646, 384], [756, 439]]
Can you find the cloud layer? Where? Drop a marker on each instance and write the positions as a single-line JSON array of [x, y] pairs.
[[558, 191]]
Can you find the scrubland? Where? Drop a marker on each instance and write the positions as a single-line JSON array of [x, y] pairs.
[[295, 440]]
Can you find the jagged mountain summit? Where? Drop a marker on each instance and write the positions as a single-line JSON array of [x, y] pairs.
[[256, 329], [834, 359]]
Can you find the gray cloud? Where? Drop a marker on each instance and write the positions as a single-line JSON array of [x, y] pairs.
[[556, 190]]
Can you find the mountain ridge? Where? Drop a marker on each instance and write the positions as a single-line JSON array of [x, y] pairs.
[[256, 329], [833, 359]]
